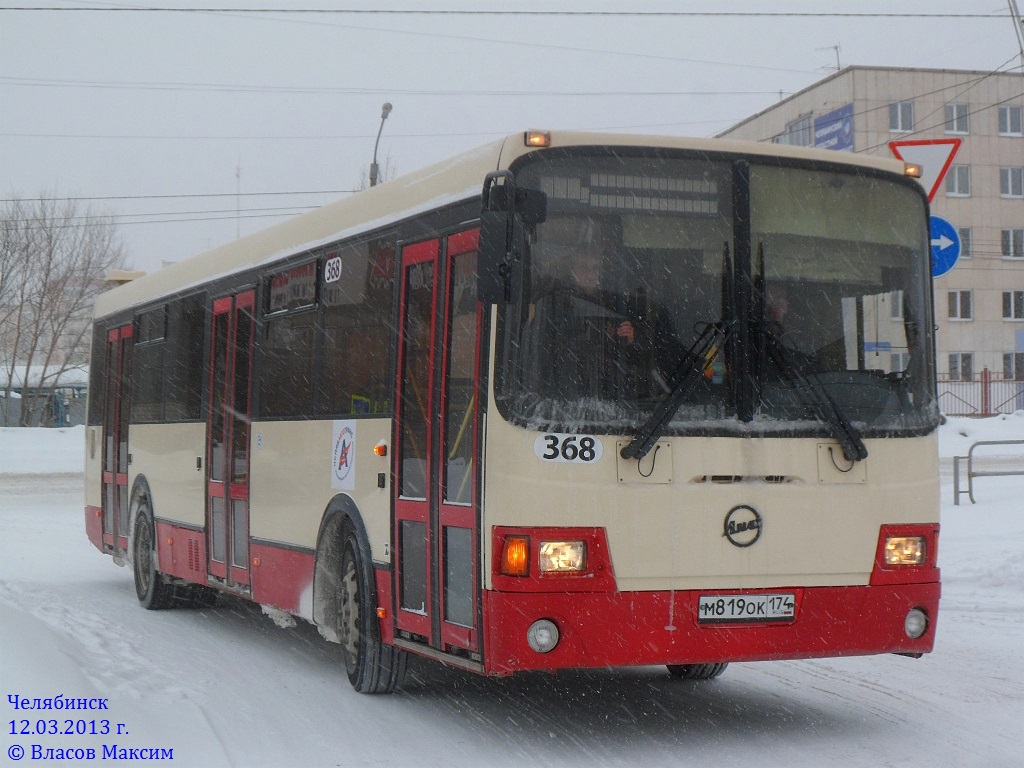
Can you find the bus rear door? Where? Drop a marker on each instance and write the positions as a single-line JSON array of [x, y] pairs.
[[115, 438]]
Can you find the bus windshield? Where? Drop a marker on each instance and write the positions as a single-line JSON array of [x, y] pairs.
[[761, 296]]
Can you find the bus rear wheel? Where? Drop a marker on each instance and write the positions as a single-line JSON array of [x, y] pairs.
[[372, 666], [151, 586], [696, 671]]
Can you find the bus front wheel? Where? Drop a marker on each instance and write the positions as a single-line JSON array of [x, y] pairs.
[[696, 671], [372, 666], [151, 587]]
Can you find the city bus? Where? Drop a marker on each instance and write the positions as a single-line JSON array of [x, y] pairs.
[[568, 400]]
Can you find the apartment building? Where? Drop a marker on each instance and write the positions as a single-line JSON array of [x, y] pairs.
[[979, 303]]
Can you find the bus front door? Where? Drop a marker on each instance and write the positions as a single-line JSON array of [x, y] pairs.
[[227, 484], [436, 527], [115, 438]]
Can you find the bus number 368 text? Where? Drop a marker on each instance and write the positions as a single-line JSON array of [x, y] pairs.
[[581, 449]]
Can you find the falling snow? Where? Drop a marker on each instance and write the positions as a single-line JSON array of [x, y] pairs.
[[230, 686]]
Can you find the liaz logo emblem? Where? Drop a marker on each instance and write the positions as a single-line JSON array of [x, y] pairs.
[[743, 526]]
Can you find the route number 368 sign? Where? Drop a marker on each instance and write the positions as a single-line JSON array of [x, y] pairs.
[[577, 449]]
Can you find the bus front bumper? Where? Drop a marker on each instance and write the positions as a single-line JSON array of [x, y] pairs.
[[654, 628]]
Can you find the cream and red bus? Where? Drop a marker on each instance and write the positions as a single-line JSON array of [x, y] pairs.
[[568, 400]]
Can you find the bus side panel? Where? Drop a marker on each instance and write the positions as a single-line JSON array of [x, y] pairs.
[[648, 628], [387, 626], [172, 459], [282, 578], [93, 487], [181, 552], [94, 525]]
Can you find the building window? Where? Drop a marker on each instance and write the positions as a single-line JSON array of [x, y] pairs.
[[1013, 366], [961, 366], [1013, 305], [1011, 182], [1013, 243], [957, 118], [960, 305], [798, 133], [1010, 122], [898, 362], [901, 116], [965, 242], [958, 181]]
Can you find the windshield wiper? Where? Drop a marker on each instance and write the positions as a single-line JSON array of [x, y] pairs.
[[690, 369], [814, 393], [684, 378]]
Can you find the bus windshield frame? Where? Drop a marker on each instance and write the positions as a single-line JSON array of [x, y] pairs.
[[758, 295]]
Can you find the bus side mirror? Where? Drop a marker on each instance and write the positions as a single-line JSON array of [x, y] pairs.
[[493, 284], [507, 220]]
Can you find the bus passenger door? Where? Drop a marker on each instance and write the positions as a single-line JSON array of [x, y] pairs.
[[115, 438], [458, 553], [228, 416], [414, 460], [436, 530]]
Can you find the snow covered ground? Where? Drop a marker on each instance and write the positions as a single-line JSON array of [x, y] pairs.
[[229, 687]]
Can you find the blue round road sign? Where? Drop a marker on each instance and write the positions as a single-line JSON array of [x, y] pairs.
[[945, 242]]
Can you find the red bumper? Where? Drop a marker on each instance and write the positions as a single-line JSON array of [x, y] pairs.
[[648, 628], [94, 526]]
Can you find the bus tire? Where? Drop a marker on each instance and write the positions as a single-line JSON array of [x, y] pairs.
[[372, 666], [151, 586], [696, 671]]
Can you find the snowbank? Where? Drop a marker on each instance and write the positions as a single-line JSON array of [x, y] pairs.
[[37, 451], [960, 432]]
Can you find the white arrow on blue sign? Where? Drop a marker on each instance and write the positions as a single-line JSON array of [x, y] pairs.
[[945, 242]]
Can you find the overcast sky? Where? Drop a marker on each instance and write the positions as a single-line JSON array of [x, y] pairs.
[[161, 118]]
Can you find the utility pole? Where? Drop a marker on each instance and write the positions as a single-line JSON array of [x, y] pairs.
[[1018, 28], [238, 199]]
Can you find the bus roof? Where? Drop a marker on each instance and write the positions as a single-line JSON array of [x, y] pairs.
[[450, 181]]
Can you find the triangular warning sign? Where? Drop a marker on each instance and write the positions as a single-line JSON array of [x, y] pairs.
[[933, 155]]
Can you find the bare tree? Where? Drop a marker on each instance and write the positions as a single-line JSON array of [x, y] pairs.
[[387, 172], [53, 259]]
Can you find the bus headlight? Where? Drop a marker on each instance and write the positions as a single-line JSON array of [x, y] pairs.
[[904, 550], [916, 623], [542, 635], [563, 556]]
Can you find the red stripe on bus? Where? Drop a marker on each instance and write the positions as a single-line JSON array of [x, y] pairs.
[[94, 526], [182, 552], [280, 577]]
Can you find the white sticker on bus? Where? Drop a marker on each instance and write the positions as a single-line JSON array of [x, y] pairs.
[[332, 270], [343, 475], [578, 449]]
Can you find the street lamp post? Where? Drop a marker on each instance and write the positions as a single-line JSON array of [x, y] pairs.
[[374, 171]]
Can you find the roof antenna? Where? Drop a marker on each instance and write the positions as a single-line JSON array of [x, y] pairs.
[[836, 48]]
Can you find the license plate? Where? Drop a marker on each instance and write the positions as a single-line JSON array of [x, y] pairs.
[[746, 608]]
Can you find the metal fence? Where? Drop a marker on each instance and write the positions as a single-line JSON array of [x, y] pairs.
[[984, 395], [973, 473]]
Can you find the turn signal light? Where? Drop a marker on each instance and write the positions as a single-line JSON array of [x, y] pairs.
[[537, 139], [515, 556], [913, 170]]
